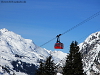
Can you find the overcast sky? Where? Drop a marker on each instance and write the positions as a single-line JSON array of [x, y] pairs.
[[42, 20]]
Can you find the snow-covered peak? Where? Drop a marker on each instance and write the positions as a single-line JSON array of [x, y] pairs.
[[15, 52], [90, 50], [93, 37], [14, 43], [3, 30]]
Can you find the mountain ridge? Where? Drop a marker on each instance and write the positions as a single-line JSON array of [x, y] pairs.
[[19, 55], [90, 50], [17, 52]]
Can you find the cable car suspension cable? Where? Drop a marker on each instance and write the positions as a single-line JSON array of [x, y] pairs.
[[81, 23], [86, 20]]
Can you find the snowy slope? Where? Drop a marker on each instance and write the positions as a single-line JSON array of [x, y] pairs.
[[90, 50], [19, 53], [21, 56]]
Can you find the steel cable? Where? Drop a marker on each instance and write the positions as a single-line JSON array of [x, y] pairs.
[[81, 23]]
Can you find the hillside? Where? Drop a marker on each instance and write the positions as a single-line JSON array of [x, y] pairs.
[[90, 50], [21, 56]]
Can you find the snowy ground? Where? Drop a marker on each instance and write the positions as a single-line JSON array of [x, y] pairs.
[[59, 74]]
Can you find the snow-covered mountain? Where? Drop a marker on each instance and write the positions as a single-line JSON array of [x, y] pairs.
[[90, 50], [21, 56]]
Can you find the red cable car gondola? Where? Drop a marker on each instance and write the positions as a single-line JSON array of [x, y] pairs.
[[58, 44]]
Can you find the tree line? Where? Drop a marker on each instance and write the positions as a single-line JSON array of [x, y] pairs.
[[73, 64]]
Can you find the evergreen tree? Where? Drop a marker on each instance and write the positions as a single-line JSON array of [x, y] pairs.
[[49, 66], [46, 68], [73, 65], [40, 70]]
